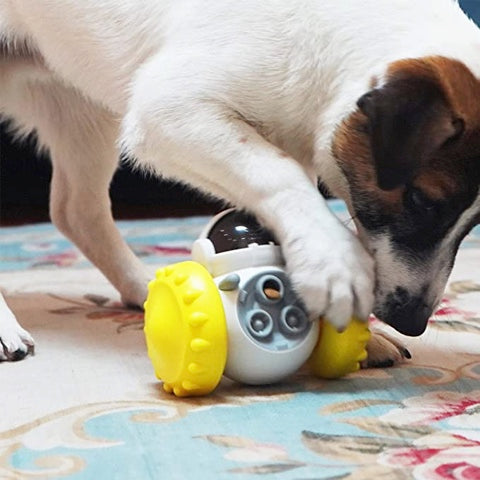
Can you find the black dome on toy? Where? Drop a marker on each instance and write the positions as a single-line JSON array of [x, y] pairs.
[[236, 230]]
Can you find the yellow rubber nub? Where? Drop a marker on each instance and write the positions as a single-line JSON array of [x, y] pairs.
[[185, 329], [338, 354]]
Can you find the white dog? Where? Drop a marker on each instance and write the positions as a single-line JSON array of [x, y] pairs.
[[253, 101]]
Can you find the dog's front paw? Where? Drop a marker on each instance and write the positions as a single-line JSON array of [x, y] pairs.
[[334, 277], [15, 342], [384, 351]]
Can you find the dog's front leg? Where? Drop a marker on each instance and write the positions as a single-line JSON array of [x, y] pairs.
[[193, 137]]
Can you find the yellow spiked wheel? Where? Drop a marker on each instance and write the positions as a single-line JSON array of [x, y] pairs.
[[185, 329], [338, 354]]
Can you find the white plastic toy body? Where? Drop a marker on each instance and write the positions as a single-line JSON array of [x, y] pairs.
[[269, 334]]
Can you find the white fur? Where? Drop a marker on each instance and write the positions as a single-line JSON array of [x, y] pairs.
[[180, 84]]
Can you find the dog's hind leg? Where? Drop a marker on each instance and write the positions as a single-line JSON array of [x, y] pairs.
[[81, 138], [82, 143]]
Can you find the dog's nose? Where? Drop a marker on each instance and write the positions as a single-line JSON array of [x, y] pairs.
[[408, 314]]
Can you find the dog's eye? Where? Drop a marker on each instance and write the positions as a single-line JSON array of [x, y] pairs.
[[416, 201]]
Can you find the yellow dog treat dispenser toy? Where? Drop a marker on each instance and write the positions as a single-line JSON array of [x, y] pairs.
[[232, 311]]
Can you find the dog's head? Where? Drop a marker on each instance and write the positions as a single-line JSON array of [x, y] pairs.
[[411, 157]]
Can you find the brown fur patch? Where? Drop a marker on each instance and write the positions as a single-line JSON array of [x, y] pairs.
[[461, 88], [436, 184], [443, 174], [352, 150]]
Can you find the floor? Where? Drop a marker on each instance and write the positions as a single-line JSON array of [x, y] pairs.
[[88, 405]]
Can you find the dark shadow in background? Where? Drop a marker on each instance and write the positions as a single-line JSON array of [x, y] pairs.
[[25, 177]]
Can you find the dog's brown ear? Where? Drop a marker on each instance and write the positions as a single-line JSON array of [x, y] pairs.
[[409, 119]]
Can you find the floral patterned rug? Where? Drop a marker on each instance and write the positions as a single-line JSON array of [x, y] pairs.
[[87, 405]]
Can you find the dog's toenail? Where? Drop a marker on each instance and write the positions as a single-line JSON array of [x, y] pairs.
[[18, 355], [406, 353]]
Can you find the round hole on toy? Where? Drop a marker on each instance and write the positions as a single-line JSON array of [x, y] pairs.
[[270, 289], [259, 324], [293, 321]]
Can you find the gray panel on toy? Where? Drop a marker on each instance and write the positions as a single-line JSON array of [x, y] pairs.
[[270, 313]]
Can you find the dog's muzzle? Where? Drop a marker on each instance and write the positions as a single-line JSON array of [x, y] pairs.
[[408, 314]]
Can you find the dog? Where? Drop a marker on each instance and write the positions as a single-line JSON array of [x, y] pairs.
[[254, 102]]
